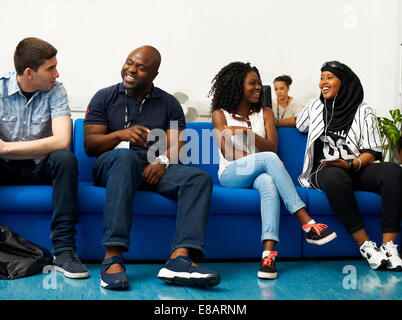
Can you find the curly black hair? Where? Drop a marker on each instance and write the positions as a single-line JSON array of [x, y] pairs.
[[227, 87]]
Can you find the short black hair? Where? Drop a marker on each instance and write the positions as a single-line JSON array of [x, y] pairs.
[[31, 53], [227, 86]]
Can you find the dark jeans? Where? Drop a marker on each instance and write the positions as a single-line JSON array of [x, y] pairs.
[[59, 169], [120, 171], [381, 178]]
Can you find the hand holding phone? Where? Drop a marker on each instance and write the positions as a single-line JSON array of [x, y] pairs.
[[335, 163], [328, 160]]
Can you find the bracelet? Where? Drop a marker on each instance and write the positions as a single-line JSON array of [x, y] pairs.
[[351, 164], [276, 122], [360, 165]]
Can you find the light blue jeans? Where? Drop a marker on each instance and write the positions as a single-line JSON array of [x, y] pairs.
[[265, 172]]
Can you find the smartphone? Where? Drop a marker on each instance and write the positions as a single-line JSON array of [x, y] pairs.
[[123, 145]]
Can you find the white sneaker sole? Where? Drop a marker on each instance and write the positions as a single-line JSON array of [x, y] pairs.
[[103, 284], [376, 266], [325, 240], [117, 285], [81, 275], [186, 278], [266, 275]]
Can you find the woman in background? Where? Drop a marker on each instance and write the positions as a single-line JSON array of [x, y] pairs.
[[247, 140], [285, 107]]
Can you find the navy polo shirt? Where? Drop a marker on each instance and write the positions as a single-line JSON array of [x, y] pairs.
[[160, 110]]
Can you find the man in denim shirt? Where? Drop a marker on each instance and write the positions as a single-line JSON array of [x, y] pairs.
[[35, 133]]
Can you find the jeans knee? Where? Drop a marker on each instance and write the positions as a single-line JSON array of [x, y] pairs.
[[64, 159], [271, 157], [265, 183], [126, 158], [199, 177], [334, 178], [205, 179], [392, 174]]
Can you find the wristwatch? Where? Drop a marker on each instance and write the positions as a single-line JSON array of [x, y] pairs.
[[162, 159]]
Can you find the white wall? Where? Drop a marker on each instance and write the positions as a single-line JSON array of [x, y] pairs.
[[196, 38]]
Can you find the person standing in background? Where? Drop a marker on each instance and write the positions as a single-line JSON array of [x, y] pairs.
[[285, 107]]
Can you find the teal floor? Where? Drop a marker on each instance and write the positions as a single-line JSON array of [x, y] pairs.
[[297, 280]]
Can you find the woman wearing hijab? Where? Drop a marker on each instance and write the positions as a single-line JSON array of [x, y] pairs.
[[342, 153]]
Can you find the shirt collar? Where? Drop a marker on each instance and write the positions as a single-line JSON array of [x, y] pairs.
[[155, 92], [13, 86]]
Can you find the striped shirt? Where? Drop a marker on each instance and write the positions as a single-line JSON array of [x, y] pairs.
[[22, 120], [363, 134]]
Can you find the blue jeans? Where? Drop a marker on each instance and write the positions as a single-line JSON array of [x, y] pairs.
[[120, 171], [265, 172], [59, 169]]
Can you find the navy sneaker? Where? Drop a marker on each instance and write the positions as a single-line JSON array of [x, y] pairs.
[[68, 263], [114, 281], [181, 271]]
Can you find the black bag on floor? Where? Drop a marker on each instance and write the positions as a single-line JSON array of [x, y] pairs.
[[19, 257]]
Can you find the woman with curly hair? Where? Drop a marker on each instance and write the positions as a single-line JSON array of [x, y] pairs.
[[247, 140]]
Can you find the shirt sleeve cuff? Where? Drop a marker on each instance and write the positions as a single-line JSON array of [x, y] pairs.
[[376, 154]]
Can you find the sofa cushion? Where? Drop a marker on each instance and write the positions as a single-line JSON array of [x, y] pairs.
[[368, 203], [224, 201], [91, 199], [85, 163], [201, 150], [291, 147], [242, 201], [26, 199]]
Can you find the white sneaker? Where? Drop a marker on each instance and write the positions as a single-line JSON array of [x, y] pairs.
[[373, 255], [391, 251]]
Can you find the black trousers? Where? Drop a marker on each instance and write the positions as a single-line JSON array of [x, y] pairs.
[[381, 178]]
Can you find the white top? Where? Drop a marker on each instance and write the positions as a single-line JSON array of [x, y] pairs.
[[240, 142], [292, 110]]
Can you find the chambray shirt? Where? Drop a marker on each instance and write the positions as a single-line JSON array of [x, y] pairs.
[[22, 120]]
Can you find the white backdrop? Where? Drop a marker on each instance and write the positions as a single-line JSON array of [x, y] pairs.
[[196, 38]]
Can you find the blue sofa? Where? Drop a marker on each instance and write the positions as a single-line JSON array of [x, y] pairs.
[[234, 226]]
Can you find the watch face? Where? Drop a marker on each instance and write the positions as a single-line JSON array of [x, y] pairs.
[[163, 159]]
